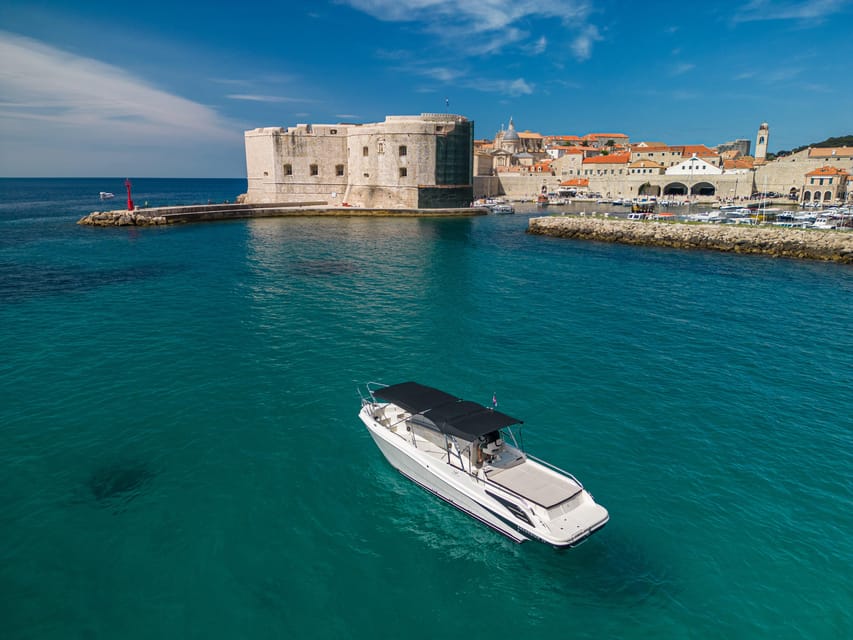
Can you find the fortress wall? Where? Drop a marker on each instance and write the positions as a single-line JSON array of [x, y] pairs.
[[526, 186], [270, 151], [377, 158], [487, 186]]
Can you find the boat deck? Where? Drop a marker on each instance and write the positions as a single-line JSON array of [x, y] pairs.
[[536, 483]]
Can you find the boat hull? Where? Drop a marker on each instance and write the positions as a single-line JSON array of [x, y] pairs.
[[437, 478]]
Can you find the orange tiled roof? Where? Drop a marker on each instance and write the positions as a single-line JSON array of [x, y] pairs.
[[575, 182], [831, 152], [594, 136], [529, 134], [699, 149], [645, 164], [566, 138], [746, 162], [828, 171], [655, 147], [613, 158]]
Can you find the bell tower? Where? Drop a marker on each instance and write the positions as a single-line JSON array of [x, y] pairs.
[[761, 141]]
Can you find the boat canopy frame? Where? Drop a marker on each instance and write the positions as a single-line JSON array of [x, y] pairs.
[[450, 414]]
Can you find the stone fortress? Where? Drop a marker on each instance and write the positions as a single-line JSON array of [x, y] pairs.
[[415, 162], [522, 165]]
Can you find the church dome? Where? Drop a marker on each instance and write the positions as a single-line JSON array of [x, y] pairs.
[[511, 134]]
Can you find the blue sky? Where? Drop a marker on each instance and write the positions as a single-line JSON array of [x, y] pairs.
[[167, 88]]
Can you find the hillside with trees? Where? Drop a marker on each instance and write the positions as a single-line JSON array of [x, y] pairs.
[[840, 141]]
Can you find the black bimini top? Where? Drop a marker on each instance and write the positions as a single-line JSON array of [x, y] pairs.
[[451, 415]]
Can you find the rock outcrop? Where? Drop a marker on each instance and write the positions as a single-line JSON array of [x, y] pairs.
[[809, 244], [121, 219]]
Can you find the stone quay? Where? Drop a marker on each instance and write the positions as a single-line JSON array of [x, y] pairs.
[[158, 216], [807, 244]]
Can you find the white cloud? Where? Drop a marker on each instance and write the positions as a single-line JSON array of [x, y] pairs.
[[682, 68], [442, 74], [517, 87], [539, 46], [582, 45], [251, 97], [803, 10], [484, 27], [65, 92]]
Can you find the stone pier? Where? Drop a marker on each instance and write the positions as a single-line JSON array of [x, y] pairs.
[[808, 244], [211, 212]]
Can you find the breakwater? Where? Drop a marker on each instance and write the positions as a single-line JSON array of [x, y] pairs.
[[212, 212], [808, 244]]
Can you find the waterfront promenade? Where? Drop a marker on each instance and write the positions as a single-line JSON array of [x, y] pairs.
[[808, 244]]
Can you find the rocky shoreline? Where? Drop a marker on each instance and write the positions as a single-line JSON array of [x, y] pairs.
[[121, 219], [805, 244]]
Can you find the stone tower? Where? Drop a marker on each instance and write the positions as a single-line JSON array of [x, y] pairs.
[[761, 141]]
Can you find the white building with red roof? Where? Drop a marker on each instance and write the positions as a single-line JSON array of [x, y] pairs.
[[694, 166]]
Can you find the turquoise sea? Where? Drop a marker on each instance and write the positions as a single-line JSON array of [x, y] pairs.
[[182, 458]]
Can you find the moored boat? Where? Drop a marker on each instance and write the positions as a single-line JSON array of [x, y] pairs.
[[468, 455], [502, 208]]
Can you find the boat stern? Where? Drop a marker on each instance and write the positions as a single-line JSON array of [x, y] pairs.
[[574, 527]]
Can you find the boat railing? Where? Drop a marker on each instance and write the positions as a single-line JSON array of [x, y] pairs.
[[557, 469], [386, 421], [369, 387]]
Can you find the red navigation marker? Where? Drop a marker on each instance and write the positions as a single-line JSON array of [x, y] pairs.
[[129, 201]]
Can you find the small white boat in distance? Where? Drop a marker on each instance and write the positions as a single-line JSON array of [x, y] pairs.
[[501, 208], [460, 451], [106, 195]]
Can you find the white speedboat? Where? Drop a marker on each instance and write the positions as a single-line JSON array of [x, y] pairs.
[[106, 195], [460, 451], [501, 208]]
